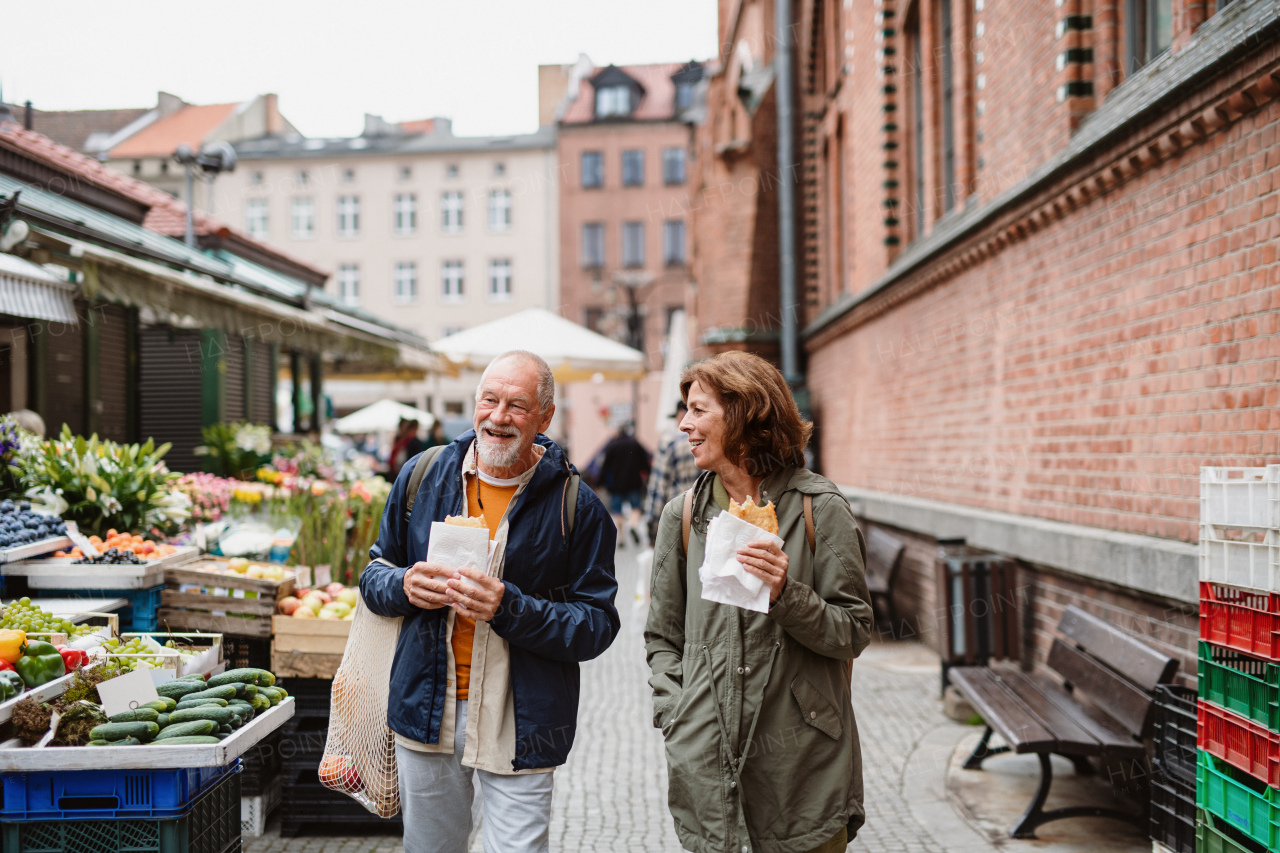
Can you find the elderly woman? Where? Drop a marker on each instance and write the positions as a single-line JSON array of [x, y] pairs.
[[762, 748]]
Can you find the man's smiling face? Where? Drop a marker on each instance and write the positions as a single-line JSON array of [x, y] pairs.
[[508, 417]]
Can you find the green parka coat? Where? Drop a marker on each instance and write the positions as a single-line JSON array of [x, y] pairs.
[[762, 747]]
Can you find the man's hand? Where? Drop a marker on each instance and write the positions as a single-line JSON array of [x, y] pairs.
[[766, 561], [424, 585], [477, 598]]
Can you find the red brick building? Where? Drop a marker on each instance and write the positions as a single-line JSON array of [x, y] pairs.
[[1038, 258]]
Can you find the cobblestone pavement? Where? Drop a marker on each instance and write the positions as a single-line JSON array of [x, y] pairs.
[[611, 796]]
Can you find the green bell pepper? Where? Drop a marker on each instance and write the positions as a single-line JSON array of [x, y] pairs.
[[10, 685], [40, 663]]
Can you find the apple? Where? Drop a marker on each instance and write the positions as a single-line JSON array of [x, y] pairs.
[[288, 605], [301, 591], [313, 601], [329, 614], [324, 596], [334, 588], [337, 607], [349, 617], [304, 613], [339, 773], [256, 572], [239, 565], [349, 597], [276, 573]]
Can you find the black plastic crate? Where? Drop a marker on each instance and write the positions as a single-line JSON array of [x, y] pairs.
[[310, 695], [1173, 813], [1174, 731], [302, 742], [261, 765], [240, 651], [309, 808], [212, 825]]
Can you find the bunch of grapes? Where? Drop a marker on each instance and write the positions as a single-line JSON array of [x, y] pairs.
[[24, 615], [134, 646], [112, 557]]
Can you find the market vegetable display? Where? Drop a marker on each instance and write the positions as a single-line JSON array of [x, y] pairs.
[[23, 615], [40, 663]]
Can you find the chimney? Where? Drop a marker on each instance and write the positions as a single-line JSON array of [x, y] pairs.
[[29, 117], [275, 122]]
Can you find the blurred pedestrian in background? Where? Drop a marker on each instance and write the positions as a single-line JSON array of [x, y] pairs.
[[406, 446], [623, 471], [435, 438], [674, 470]]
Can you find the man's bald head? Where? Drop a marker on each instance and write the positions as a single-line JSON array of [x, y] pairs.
[[546, 379]]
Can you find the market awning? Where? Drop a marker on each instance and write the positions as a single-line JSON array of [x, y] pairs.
[[27, 291], [382, 416], [575, 353]]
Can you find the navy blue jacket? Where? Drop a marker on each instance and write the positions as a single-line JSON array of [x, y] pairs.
[[557, 610]]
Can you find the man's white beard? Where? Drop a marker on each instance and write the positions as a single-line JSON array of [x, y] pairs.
[[497, 456]]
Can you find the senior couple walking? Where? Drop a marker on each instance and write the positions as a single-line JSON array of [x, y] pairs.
[[755, 708]]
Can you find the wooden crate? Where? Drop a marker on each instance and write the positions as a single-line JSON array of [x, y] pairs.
[[203, 611], [307, 648], [51, 573]]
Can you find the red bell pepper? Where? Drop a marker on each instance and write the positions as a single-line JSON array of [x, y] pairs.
[[5, 666], [73, 659]]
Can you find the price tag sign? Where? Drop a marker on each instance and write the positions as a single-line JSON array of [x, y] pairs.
[[81, 541], [126, 692], [320, 577]]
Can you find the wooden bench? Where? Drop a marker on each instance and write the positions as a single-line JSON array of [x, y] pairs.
[[1035, 713], [884, 554]]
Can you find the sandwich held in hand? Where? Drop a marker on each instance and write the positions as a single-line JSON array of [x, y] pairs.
[[459, 542], [762, 516], [464, 521], [724, 579]]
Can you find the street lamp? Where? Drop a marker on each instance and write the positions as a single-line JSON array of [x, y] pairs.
[[631, 283], [216, 158]]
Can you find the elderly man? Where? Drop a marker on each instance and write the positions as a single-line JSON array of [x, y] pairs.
[[485, 676]]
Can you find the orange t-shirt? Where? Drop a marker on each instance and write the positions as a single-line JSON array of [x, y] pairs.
[[496, 498]]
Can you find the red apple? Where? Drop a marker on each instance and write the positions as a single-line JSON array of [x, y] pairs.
[[334, 588], [288, 604], [325, 597]]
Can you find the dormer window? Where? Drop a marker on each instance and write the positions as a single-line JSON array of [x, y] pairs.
[[613, 101], [684, 96]]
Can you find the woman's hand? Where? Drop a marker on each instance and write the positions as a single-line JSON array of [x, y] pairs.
[[766, 561]]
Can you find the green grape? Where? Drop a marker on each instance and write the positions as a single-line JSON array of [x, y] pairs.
[[24, 601]]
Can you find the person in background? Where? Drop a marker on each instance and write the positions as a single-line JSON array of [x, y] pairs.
[[435, 438], [29, 421], [407, 445], [674, 470], [623, 471]]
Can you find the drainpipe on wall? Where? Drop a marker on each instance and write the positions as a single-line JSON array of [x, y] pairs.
[[788, 305]]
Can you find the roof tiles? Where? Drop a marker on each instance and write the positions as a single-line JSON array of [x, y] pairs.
[[191, 124], [658, 103]]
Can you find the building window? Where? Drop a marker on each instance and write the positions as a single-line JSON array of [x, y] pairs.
[[946, 83], [406, 282], [916, 203], [684, 96], [613, 101], [673, 243], [451, 212], [454, 408], [302, 177], [499, 169], [633, 244], [1148, 31], [592, 170], [255, 217], [500, 210], [406, 172], [349, 283], [500, 280], [593, 318], [451, 281], [673, 166], [255, 178], [137, 167], [451, 170], [592, 245], [302, 218], [406, 213], [633, 168], [164, 167], [348, 175], [349, 216]]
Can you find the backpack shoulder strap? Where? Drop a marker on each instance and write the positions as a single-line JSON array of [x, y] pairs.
[[809, 532], [686, 518], [420, 468], [570, 499]]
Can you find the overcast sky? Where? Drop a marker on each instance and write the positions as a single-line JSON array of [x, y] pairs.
[[474, 61]]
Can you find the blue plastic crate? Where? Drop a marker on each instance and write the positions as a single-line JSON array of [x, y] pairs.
[[140, 615], [106, 794]]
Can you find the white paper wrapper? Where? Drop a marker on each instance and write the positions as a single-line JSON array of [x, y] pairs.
[[459, 547], [724, 580]]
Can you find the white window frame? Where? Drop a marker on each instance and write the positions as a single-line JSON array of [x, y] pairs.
[[592, 260], [256, 218], [635, 157], [499, 287], [629, 259], [679, 257], [348, 278], [667, 157], [349, 216], [453, 281], [404, 217], [500, 205], [598, 174], [453, 207], [613, 101], [405, 282], [302, 217]]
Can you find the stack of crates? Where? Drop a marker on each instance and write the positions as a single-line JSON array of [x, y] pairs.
[[1238, 709]]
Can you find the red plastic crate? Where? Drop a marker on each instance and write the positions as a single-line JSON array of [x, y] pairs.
[[1242, 743], [1242, 619]]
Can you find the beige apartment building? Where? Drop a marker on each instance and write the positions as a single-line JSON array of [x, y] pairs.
[[434, 231]]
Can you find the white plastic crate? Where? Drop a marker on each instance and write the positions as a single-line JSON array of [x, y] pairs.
[[1244, 558], [1240, 497], [254, 811]]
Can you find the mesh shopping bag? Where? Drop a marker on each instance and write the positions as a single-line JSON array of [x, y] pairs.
[[360, 753]]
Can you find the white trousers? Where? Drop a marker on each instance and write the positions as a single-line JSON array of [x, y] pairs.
[[436, 794]]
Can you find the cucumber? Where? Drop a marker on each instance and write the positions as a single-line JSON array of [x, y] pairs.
[[261, 703], [284, 694], [129, 741], [185, 739], [226, 730], [220, 716], [119, 731], [191, 729], [195, 676], [178, 688], [137, 715], [271, 693], [225, 691], [162, 720], [198, 703], [246, 675], [99, 743], [163, 705]]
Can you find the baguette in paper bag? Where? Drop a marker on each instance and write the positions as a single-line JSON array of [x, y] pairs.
[[723, 578], [456, 545]]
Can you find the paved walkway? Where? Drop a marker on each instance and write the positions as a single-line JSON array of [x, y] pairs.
[[611, 796]]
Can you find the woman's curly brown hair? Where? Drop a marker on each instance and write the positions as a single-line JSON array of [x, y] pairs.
[[763, 427]]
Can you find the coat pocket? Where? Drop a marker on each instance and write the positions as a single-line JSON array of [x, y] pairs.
[[816, 709]]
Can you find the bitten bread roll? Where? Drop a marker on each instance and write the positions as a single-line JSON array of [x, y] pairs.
[[764, 517], [464, 521]]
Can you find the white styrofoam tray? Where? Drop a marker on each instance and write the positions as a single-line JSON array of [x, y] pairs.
[[64, 573], [34, 549]]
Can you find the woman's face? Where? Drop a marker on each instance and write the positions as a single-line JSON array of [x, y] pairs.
[[705, 426]]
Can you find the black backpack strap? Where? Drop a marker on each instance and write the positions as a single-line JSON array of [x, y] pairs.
[[571, 500], [420, 468]]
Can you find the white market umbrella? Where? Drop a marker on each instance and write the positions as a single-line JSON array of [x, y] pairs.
[[575, 353], [382, 416], [677, 357]]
